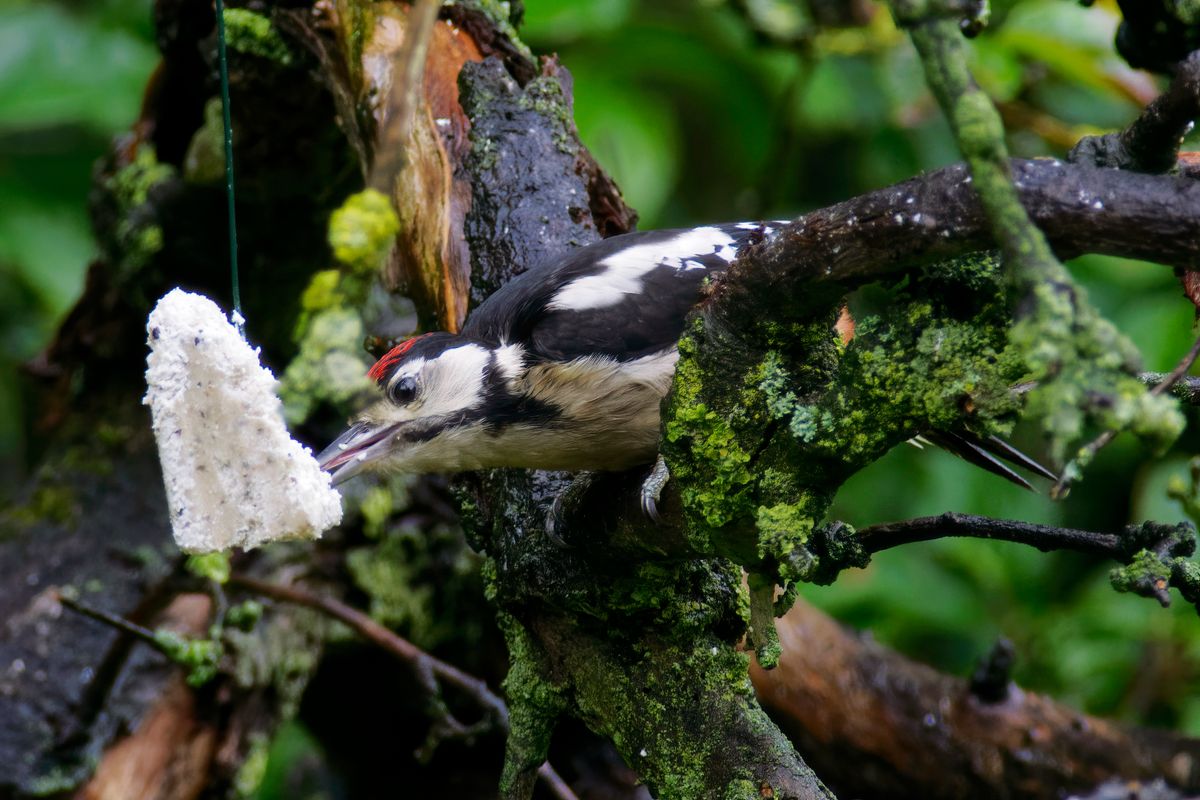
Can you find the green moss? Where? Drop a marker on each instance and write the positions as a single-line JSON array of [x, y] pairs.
[[138, 235], [323, 291], [1084, 369], [388, 577], [253, 34], [545, 96], [1145, 569], [200, 657], [362, 231], [376, 505], [330, 366], [132, 184], [281, 652], [250, 774], [639, 703], [715, 474], [980, 130], [741, 789], [1159, 557], [674, 596], [763, 636], [918, 365], [413, 576], [1086, 374], [204, 162], [244, 615], [211, 566], [534, 704], [784, 530], [758, 452]]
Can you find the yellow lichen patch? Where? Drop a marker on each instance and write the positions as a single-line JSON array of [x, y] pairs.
[[361, 232]]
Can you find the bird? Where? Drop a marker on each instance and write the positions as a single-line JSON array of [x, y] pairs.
[[564, 368]]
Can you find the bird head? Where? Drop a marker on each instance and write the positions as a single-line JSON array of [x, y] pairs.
[[437, 390]]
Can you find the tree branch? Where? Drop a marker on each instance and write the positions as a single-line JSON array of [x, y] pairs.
[[391, 150], [1047, 538], [1151, 142], [1186, 389], [938, 216], [425, 665], [1155, 554], [877, 724]]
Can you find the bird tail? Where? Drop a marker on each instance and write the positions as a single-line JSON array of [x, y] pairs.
[[989, 453]]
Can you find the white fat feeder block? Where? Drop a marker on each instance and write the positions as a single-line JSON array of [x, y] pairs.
[[234, 476]]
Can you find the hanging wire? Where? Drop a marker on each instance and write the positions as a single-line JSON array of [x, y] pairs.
[[238, 319]]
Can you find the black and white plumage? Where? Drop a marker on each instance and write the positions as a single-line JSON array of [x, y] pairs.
[[562, 368]]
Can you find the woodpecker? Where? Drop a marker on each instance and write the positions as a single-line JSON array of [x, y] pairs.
[[563, 368]]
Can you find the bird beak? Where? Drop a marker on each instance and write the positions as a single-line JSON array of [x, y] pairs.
[[354, 450]]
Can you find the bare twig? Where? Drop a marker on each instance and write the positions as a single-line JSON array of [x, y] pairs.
[[1156, 552], [112, 620], [1181, 369], [429, 669], [938, 216], [554, 782], [423, 663], [876, 538], [391, 151], [1186, 389]]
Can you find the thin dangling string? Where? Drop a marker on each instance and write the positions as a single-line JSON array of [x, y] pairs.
[[238, 319]]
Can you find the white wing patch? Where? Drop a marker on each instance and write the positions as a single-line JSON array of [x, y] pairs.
[[625, 269], [510, 361]]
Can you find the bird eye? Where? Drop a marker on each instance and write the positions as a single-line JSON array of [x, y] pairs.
[[405, 390]]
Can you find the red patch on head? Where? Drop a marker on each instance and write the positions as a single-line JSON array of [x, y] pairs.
[[391, 358]]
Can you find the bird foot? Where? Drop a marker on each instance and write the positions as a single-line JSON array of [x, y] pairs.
[[652, 489]]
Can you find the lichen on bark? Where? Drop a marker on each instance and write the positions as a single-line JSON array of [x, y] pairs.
[[1083, 368], [759, 452]]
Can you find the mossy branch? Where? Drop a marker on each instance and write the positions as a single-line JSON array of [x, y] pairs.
[[1085, 368]]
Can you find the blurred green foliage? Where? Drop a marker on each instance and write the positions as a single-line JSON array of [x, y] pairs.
[[71, 77], [702, 115]]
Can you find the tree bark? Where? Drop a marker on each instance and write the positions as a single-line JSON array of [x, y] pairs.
[[875, 724]]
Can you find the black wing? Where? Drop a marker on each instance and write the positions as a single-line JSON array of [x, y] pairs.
[[623, 297]]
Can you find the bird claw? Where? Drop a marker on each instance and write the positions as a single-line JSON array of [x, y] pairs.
[[652, 490]]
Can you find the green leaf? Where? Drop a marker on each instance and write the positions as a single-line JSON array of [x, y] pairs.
[[60, 68], [550, 22], [634, 137]]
